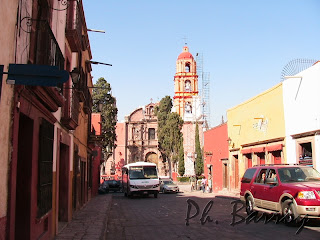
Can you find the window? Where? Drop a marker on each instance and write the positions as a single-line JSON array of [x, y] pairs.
[[305, 153], [151, 134], [261, 177], [188, 107], [187, 86], [248, 175], [187, 67], [45, 163]]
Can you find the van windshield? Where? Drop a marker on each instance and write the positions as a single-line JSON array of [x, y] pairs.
[[298, 174], [143, 172]]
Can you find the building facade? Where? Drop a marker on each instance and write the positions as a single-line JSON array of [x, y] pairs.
[[7, 56], [187, 103], [216, 157], [48, 156], [256, 133], [136, 141], [300, 96]]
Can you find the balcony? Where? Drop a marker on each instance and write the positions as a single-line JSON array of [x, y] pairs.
[[88, 101], [74, 27], [48, 51], [70, 113]]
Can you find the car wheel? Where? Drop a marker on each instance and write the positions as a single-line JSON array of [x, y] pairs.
[[125, 194], [155, 195], [289, 213], [249, 205]]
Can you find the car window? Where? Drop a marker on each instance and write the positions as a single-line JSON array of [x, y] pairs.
[[271, 176], [261, 177], [248, 175], [298, 174]]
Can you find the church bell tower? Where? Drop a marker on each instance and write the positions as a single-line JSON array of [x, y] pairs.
[[186, 93], [187, 104]]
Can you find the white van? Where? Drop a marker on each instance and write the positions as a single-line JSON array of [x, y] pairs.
[[140, 178]]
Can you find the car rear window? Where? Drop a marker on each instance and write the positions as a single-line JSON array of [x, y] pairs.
[[248, 175]]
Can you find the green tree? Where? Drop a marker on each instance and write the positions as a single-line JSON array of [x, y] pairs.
[[103, 99], [169, 131], [181, 168], [199, 159]]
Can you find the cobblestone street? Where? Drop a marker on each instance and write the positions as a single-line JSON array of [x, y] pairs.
[[115, 217]]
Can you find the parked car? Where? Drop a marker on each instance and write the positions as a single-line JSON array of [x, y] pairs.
[[292, 191], [167, 185], [110, 185]]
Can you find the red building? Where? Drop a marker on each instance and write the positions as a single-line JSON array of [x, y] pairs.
[[96, 146], [216, 157]]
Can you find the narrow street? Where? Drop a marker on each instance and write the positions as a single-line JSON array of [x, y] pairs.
[[164, 218]]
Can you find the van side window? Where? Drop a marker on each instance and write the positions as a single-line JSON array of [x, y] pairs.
[[248, 175], [261, 176]]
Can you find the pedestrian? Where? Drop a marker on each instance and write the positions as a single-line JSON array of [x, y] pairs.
[[193, 183], [210, 183], [203, 184]]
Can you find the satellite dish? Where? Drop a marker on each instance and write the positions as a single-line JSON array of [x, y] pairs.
[[295, 66]]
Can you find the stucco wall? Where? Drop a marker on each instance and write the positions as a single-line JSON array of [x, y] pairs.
[[301, 100], [7, 39], [258, 119]]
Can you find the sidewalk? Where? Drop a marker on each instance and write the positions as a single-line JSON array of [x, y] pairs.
[[89, 222], [186, 188]]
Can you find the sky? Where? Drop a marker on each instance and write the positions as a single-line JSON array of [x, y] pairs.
[[244, 44]]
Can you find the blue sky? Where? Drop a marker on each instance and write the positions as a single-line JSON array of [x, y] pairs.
[[245, 45]]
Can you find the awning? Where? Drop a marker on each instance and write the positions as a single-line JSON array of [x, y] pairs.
[[275, 147], [246, 150], [258, 149]]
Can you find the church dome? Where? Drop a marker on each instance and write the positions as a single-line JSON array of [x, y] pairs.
[[185, 54]]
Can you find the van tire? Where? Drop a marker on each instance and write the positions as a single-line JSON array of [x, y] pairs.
[[249, 205], [289, 209]]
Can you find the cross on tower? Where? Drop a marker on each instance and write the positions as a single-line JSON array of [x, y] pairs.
[[185, 40]]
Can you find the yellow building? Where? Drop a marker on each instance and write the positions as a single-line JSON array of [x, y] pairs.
[[256, 133]]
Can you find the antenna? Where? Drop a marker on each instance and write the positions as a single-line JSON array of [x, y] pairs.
[[295, 66]]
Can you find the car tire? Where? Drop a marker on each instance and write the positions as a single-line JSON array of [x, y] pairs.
[[155, 195], [249, 205], [125, 194], [289, 213]]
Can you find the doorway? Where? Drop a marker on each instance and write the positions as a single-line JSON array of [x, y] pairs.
[[63, 185], [23, 183]]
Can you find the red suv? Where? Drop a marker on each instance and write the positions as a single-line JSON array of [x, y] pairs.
[[290, 190]]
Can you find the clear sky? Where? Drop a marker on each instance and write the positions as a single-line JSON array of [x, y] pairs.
[[245, 45]]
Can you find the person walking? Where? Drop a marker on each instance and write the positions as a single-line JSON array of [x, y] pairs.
[[210, 184], [193, 183], [203, 184]]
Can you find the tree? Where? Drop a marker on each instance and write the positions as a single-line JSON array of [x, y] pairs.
[[169, 131], [181, 168], [199, 161], [102, 96]]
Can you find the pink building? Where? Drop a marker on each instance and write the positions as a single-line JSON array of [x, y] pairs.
[[216, 157]]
